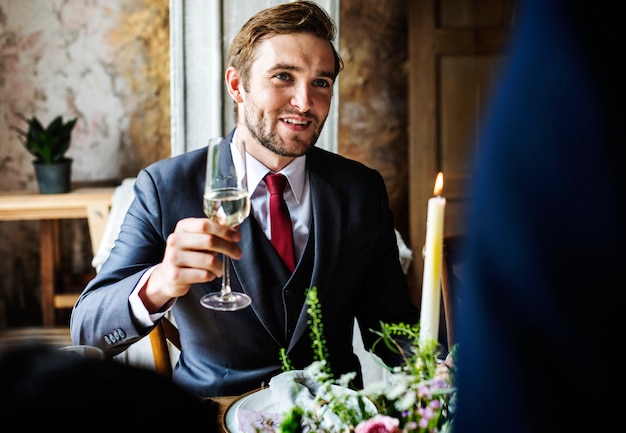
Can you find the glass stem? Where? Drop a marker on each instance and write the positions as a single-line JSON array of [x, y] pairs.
[[226, 290]]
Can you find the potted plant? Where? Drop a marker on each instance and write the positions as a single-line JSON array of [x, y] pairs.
[[48, 146]]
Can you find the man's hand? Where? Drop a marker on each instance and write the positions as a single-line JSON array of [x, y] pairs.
[[191, 256]]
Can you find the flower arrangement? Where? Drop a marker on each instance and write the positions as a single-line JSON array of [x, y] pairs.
[[418, 396]]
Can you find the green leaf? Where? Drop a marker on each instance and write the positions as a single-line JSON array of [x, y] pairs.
[[47, 144]]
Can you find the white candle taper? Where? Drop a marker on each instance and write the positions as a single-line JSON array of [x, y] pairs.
[[433, 256]]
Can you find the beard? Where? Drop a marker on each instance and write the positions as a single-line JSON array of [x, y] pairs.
[[260, 127]]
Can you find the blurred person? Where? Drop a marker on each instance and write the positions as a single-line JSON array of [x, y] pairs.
[[281, 69], [42, 385], [540, 318]]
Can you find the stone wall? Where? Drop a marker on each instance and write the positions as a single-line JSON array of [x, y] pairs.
[[373, 94], [105, 63]]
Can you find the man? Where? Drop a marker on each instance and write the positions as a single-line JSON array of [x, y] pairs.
[[280, 75]]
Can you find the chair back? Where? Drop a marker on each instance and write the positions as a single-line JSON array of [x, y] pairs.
[[162, 336], [452, 282]]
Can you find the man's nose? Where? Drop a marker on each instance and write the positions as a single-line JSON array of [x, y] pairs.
[[301, 98]]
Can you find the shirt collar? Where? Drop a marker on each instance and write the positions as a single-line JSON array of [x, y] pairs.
[[294, 172]]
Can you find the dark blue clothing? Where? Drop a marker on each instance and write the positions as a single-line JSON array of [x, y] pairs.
[[540, 321]]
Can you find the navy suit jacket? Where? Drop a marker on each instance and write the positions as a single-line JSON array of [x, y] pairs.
[[352, 260]]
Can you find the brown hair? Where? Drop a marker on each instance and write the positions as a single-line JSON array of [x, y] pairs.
[[293, 17]]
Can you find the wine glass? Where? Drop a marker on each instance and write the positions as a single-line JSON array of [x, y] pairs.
[[83, 350], [227, 202]]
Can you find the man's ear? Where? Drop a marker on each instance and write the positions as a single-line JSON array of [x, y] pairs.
[[233, 84]]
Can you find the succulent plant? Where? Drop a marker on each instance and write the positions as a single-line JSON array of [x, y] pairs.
[[48, 144]]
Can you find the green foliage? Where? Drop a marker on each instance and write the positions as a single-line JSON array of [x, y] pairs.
[[420, 357], [320, 351], [318, 341], [285, 361], [291, 421], [48, 144]]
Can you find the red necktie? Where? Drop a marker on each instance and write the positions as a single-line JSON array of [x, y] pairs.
[[282, 236]]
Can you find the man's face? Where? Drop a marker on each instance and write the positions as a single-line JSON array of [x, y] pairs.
[[289, 92]]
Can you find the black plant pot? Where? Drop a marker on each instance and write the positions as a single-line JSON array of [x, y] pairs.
[[54, 178]]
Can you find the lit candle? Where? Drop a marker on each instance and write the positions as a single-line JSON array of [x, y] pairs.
[[433, 256]]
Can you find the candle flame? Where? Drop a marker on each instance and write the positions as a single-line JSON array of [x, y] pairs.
[[438, 184]]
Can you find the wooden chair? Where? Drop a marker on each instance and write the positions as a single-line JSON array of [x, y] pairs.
[[164, 334], [451, 282]]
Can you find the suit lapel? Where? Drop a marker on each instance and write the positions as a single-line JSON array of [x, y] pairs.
[[326, 210]]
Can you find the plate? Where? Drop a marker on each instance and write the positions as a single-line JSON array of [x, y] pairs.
[[257, 401]]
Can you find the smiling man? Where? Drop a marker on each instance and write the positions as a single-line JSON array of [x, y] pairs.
[[281, 69]]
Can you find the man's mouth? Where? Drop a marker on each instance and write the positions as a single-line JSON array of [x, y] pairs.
[[296, 122]]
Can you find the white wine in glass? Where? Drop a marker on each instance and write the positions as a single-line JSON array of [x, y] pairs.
[[227, 202]]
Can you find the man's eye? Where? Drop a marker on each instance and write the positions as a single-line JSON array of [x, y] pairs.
[[282, 76], [322, 83]]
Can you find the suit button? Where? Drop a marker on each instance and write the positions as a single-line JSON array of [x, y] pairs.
[[289, 293]]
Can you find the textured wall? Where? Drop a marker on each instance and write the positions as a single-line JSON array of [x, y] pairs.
[[90, 59], [373, 94]]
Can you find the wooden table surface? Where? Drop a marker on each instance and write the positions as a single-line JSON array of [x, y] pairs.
[[51, 336], [221, 405]]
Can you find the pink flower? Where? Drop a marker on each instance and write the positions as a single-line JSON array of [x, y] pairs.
[[379, 424]]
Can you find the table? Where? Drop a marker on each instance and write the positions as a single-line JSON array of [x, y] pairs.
[[91, 203], [219, 407], [51, 336]]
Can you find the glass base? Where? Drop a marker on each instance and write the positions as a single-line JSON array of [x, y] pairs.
[[231, 302]]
